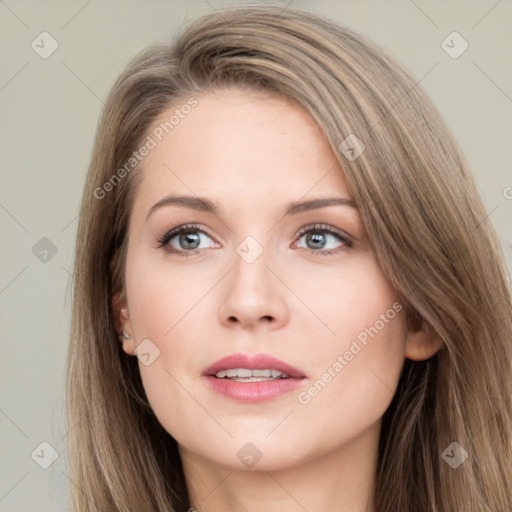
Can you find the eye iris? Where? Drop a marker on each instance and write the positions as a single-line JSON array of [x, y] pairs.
[[189, 237], [318, 239]]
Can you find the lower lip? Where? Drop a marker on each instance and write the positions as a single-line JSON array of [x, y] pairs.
[[253, 391]]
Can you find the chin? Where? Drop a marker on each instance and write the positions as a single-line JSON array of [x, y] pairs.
[[255, 453]]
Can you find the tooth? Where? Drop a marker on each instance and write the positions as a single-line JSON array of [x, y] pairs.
[[246, 373], [262, 373], [253, 379]]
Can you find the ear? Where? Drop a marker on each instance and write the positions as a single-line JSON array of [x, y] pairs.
[[123, 323], [120, 310], [422, 342]]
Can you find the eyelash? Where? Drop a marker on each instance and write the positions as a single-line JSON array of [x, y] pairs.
[[323, 228]]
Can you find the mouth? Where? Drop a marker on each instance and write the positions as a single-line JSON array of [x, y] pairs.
[[252, 378], [258, 366], [248, 375]]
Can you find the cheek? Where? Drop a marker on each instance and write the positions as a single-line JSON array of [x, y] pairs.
[[166, 306], [352, 392], [376, 335], [162, 295], [357, 371], [358, 304]]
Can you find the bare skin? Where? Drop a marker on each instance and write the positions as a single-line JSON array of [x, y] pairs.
[[317, 450]]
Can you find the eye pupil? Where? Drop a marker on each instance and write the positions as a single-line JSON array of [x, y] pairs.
[[318, 239], [188, 238]]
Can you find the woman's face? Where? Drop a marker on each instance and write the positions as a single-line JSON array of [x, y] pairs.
[[257, 277]]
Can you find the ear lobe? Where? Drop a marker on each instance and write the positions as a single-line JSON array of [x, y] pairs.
[[422, 344]]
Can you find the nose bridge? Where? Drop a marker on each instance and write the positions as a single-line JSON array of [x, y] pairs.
[[250, 277], [253, 294]]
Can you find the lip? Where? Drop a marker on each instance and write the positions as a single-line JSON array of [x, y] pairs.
[[253, 391], [255, 362]]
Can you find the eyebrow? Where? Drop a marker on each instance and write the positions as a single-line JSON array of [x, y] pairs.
[[205, 205]]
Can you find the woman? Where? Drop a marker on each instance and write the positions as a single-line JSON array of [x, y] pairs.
[[287, 292]]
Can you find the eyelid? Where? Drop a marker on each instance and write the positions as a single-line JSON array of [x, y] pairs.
[[324, 227]]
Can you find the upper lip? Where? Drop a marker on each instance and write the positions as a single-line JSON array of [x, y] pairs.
[[253, 362]]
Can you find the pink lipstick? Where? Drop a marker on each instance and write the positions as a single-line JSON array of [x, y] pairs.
[[254, 378]]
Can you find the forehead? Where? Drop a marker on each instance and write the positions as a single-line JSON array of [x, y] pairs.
[[241, 146]]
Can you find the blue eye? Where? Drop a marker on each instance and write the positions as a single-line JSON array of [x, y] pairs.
[[318, 239], [317, 236], [188, 236]]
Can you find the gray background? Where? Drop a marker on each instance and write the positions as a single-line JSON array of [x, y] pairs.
[[49, 111]]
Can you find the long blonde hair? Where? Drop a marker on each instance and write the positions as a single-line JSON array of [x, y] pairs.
[[423, 215]]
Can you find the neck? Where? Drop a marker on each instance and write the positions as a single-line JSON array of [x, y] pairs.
[[340, 479]]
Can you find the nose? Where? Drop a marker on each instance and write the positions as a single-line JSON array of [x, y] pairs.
[[253, 296]]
